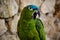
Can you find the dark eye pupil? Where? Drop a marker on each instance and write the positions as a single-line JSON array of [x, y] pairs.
[[30, 8]]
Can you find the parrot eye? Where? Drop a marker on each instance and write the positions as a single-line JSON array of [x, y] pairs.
[[30, 9]]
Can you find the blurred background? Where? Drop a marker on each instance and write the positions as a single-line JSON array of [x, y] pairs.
[[10, 11]]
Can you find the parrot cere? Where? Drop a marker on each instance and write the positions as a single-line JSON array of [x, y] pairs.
[[29, 27]]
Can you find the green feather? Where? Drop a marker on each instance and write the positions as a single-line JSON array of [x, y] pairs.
[[40, 29], [28, 28]]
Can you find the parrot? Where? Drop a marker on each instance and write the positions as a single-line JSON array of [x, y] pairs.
[[30, 27]]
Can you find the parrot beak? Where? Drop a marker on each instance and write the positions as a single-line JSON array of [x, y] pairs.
[[38, 13], [35, 14]]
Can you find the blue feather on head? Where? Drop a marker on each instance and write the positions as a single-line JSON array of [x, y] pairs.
[[34, 7]]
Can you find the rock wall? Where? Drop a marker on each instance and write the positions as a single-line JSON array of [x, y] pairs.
[[10, 11], [8, 19]]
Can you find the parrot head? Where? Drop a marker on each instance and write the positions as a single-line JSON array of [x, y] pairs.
[[31, 11]]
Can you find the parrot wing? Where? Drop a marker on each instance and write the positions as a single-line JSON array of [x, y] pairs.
[[40, 29]]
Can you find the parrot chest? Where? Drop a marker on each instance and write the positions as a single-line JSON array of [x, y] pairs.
[[30, 25], [28, 28]]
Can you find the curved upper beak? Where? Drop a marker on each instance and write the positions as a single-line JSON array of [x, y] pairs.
[[36, 13]]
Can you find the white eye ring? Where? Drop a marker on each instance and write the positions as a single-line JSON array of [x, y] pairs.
[[30, 9]]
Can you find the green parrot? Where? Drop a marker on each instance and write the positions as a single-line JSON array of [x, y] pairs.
[[29, 26]]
